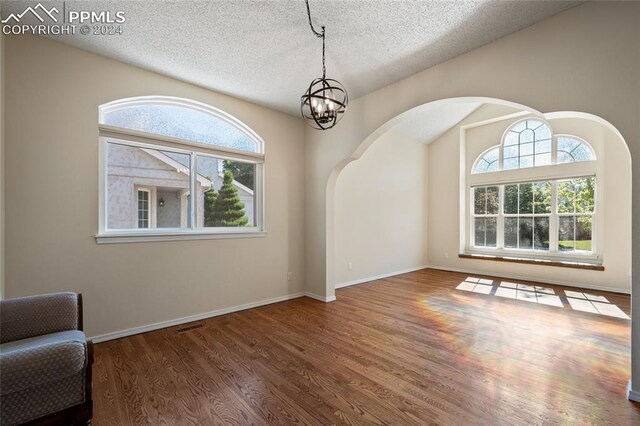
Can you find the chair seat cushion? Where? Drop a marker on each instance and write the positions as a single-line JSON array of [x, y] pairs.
[[37, 360]]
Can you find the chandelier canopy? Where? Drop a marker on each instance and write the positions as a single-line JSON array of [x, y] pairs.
[[325, 102]]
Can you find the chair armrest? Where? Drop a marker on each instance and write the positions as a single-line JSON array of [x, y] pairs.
[[32, 362], [24, 317]]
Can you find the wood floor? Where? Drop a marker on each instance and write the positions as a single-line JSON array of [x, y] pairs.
[[410, 349]]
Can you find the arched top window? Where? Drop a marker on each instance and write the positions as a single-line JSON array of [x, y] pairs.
[[164, 163], [181, 119], [573, 150], [531, 143], [527, 144], [489, 161]]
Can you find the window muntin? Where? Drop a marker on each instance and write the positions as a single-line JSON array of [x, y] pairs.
[[573, 150], [175, 204], [554, 216], [527, 144]]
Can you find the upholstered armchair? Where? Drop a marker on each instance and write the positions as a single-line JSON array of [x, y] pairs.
[[45, 361]]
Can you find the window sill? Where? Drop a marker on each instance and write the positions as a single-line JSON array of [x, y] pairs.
[[123, 237], [542, 262]]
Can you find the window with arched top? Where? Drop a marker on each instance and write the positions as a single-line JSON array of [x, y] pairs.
[[489, 161], [572, 150], [518, 210], [531, 143], [175, 168], [526, 144]]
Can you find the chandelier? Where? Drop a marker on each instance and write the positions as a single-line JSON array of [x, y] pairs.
[[326, 99]]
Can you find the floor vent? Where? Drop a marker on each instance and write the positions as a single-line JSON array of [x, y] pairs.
[[189, 328]]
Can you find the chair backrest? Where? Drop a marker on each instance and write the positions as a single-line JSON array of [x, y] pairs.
[[24, 317]]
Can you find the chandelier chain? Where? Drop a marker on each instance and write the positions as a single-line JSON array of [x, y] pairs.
[[319, 35]]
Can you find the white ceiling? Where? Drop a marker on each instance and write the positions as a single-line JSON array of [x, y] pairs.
[[264, 51], [430, 123]]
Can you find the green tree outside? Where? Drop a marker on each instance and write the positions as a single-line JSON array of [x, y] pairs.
[[227, 209], [210, 197], [242, 172]]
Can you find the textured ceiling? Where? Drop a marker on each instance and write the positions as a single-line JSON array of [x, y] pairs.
[[429, 124], [264, 51]]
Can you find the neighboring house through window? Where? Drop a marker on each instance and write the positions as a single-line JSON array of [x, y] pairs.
[[156, 152]]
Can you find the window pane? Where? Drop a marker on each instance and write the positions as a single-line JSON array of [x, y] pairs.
[[511, 199], [526, 233], [566, 233], [480, 229], [491, 227], [526, 136], [585, 195], [542, 159], [566, 197], [225, 193], [493, 202], [583, 233], [543, 146], [526, 198], [526, 149], [488, 162], [572, 150], [541, 233], [526, 161], [165, 177], [511, 232], [511, 138], [510, 151], [542, 197], [180, 122], [510, 163], [480, 201]]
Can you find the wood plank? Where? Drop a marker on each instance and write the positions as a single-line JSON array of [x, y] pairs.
[[409, 349]]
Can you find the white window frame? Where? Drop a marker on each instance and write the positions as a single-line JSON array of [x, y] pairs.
[[552, 173], [110, 134], [152, 219]]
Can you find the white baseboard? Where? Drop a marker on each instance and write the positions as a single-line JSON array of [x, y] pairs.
[[379, 277], [631, 394], [198, 317], [320, 298], [534, 279]]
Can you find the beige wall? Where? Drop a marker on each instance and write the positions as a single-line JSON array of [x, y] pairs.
[[381, 211], [585, 59], [613, 224], [52, 96]]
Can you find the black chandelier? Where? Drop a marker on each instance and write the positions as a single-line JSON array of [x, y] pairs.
[[325, 102]]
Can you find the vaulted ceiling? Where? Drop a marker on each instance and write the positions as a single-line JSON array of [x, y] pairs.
[[264, 51]]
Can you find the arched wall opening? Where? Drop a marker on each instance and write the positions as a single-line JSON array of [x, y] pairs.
[[368, 226]]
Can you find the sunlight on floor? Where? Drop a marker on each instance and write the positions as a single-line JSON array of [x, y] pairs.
[[578, 301]]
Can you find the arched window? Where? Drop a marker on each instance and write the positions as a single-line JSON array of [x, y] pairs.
[[175, 169], [489, 161], [548, 213], [181, 119], [527, 144], [573, 150], [531, 143]]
